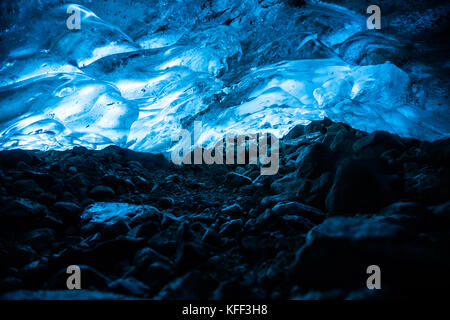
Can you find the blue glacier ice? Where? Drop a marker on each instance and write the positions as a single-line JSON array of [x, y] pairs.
[[136, 72]]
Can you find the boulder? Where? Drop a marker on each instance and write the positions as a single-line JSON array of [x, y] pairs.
[[339, 251], [101, 192], [314, 160], [358, 187], [236, 180]]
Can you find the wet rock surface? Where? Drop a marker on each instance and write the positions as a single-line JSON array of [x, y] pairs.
[[141, 227]]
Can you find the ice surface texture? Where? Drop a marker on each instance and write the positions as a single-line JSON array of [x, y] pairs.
[[137, 72]]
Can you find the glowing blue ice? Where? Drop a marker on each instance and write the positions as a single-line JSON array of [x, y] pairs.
[[237, 66]]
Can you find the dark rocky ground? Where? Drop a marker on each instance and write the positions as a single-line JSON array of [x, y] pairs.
[[141, 227]]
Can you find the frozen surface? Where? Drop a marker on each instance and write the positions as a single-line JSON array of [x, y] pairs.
[[137, 72]]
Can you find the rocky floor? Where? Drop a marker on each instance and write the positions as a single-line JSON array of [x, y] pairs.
[[140, 227]]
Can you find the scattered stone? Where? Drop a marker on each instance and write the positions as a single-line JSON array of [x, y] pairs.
[[236, 180], [233, 210], [193, 285], [129, 286], [211, 237], [68, 208], [90, 278], [101, 192], [231, 228], [357, 187], [315, 159], [338, 252], [271, 201], [62, 295], [10, 158], [375, 143], [26, 188], [342, 200], [189, 255], [296, 208]]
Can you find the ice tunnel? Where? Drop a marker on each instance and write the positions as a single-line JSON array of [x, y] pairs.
[[132, 74]]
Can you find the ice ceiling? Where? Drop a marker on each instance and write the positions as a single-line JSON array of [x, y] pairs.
[[137, 71]]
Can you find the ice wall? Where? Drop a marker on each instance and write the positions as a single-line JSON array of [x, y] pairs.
[[136, 72]]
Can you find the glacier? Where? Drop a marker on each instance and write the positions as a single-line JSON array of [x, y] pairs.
[[137, 72]]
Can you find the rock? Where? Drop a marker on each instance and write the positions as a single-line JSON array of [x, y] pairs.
[[357, 187], [67, 196], [140, 181], [148, 160], [298, 222], [72, 170], [116, 182], [184, 232], [254, 189], [129, 286], [217, 234], [318, 126], [10, 158], [109, 213], [258, 245], [119, 228], [296, 208], [314, 192], [189, 255], [211, 237], [79, 180], [10, 283], [233, 210], [193, 285], [145, 230], [106, 255], [334, 294], [19, 255], [295, 132], [442, 213], [90, 278], [22, 166], [405, 208], [343, 142], [373, 144], [338, 252], [101, 192], [67, 210], [169, 220], [335, 128], [62, 295], [313, 160], [147, 256], [44, 180], [40, 238], [231, 228], [143, 214], [233, 289], [174, 178], [163, 202], [155, 275], [270, 201], [158, 272], [437, 152], [20, 214], [26, 188], [236, 180], [46, 198], [286, 185], [427, 187], [442, 209]]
